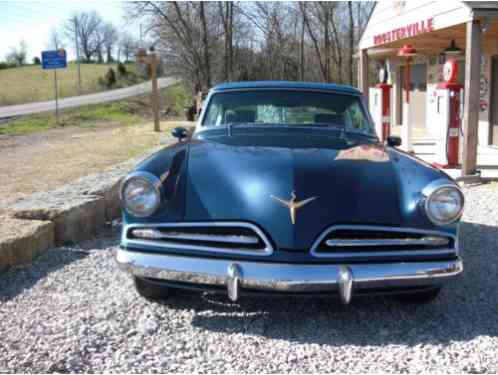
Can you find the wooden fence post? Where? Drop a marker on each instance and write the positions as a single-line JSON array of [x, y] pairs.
[[155, 91]]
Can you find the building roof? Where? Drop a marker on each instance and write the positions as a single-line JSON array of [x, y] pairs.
[[286, 85], [493, 5], [397, 21]]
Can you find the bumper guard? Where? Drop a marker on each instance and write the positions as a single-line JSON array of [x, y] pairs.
[[235, 275]]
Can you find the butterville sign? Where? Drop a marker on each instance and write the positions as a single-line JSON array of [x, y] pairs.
[[410, 30]]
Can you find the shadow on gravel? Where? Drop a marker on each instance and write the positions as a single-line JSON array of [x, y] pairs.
[[20, 278], [467, 308], [17, 279]]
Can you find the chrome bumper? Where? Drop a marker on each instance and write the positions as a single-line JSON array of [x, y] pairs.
[[235, 275]]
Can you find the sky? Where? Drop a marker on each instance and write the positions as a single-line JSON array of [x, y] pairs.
[[32, 21]]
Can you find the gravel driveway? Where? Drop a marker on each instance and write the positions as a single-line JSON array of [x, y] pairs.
[[72, 310]]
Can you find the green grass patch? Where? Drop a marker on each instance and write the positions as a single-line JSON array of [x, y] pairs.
[[177, 98], [125, 112], [88, 116]]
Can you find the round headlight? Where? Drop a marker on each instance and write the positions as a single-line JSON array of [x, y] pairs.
[[140, 194], [444, 205]]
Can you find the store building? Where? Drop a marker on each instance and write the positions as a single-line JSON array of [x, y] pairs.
[[437, 30]]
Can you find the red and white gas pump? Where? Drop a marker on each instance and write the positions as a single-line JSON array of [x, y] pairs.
[[380, 105], [448, 97]]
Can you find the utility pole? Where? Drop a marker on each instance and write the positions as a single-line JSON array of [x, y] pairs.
[[77, 53], [141, 38]]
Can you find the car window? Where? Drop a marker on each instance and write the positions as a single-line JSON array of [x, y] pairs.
[[287, 107]]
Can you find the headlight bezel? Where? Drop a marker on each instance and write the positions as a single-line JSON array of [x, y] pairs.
[[431, 191], [149, 178]]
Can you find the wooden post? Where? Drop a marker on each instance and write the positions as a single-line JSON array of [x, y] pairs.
[[155, 91], [471, 97], [363, 73]]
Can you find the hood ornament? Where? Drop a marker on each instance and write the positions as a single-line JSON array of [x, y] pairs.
[[292, 205]]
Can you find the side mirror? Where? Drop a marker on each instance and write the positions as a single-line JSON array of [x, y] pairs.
[[179, 133], [393, 141]]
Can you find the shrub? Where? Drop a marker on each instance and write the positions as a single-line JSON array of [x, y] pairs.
[[122, 70], [36, 60], [110, 78], [6, 65]]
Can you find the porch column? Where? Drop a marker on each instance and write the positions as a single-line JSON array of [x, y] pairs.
[[471, 97], [363, 73]]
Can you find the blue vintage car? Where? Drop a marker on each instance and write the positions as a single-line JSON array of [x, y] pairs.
[[284, 188]]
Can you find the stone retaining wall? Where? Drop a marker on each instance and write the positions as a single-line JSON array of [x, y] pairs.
[[71, 213]]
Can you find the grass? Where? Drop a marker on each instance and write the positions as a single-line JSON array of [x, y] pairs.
[[125, 112], [32, 84], [177, 98], [88, 116]]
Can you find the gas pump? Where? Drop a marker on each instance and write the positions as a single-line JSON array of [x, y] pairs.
[[448, 97], [380, 105]]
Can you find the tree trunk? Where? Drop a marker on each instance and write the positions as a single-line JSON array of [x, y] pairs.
[[205, 46], [230, 41], [301, 57], [326, 51], [351, 43]]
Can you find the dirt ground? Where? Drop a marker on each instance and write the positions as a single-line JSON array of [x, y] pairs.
[[43, 161]]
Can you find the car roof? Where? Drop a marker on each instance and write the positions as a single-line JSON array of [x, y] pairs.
[[286, 85]]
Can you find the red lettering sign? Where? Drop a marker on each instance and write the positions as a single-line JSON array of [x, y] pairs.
[[424, 26]]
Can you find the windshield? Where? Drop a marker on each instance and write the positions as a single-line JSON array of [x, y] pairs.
[[285, 107]]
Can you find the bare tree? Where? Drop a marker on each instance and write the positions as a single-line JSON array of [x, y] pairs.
[[212, 41], [110, 39], [127, 47], [351, 42], [55, 40], [18, 55], [226, 12], [88, 27], [205, 44]]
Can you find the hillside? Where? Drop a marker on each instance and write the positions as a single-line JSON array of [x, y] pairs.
[[32, 83]]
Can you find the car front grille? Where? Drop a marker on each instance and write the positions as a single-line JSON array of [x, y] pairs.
[[374, 241], [221, 237]]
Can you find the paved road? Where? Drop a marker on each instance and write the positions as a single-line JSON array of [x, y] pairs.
[[76, 101], [72, 310]]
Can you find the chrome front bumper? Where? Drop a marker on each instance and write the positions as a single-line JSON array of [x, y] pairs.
[[236, 275]]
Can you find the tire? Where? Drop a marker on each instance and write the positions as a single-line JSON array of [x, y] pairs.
[[422, 297], [151, 290]]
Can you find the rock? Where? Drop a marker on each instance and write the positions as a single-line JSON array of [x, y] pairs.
[[76, 217], [23, 240], [106, 185]]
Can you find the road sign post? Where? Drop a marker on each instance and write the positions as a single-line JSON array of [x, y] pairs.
[[53, 60], [56, 96]]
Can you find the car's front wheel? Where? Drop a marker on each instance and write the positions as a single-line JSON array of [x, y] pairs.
[[425, 296], [152, 290]]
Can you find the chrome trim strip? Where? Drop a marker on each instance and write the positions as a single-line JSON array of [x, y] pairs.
[[373, 254], [380, 253], [282, 276], [424, 241], [265, 251], [235, 239]]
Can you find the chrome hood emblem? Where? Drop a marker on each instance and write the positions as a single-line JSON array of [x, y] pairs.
[[292, 205]]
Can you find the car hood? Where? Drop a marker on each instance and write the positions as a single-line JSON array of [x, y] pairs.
[[246, 178]]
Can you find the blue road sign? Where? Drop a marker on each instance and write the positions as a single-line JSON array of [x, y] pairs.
[[54, 59]]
